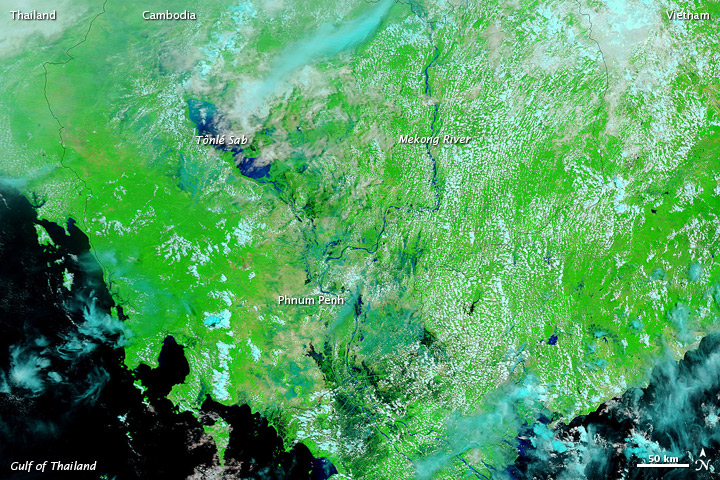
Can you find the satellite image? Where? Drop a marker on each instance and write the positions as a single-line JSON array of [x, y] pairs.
[[359, 239]]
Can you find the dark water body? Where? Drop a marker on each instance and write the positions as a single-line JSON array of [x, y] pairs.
[[209, 122], [676, 415], [65, 394]]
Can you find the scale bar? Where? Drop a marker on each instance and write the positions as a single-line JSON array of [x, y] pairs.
[[663, 465]]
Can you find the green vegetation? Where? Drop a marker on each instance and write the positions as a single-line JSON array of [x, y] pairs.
[[584, 207]]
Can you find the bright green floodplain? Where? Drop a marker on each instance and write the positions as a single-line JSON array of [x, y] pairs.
[[585, 207]]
